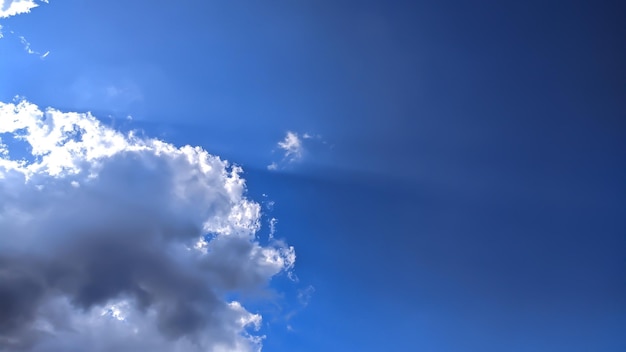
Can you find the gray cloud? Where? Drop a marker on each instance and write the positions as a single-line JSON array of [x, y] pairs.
[[103, 246]]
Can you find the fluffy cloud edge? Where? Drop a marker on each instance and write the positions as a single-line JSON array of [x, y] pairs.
[[10, 8]]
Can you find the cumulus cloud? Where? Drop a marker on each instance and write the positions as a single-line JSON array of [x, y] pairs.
[[114, 242], [10, 8]]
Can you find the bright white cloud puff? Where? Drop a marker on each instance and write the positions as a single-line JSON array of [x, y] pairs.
[[10, 8], [103, 242]]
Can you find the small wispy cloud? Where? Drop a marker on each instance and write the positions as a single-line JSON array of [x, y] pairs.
[[304, 298], [292, 149], [29, 50], [9, 8], [272, 222], [292, 145], [305, 295]]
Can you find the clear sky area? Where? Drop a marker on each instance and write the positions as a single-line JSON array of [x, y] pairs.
[[312, 175]]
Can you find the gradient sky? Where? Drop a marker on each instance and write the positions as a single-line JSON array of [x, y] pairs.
[[456, 177]]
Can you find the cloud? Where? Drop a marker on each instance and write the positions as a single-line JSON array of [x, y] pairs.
[[305, 295], [10, 8], [272, 223], [29, 50], [292, 145], [114, 242], [293, 148], [304, 298]]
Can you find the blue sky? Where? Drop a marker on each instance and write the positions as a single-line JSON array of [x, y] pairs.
[[454, 179]]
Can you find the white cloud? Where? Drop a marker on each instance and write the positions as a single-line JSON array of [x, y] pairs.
[[103, 246], [272, 223], [292, 145], [29, 50], [293, 148], [10, 8], [26, 45]]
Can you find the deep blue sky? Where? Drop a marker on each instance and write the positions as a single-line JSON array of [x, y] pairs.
[[474, 196]]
